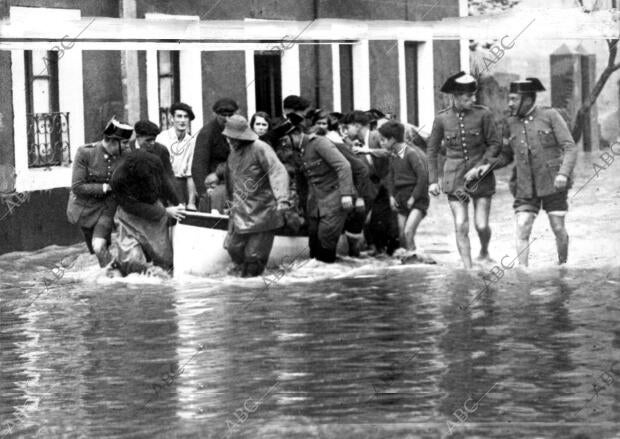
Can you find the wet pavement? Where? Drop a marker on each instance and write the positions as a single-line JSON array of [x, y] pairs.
[[364, 348]]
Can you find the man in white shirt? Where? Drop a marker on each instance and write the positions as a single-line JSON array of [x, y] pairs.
[[181, 145]]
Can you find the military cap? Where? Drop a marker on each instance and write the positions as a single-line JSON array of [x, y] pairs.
[[117, 130], [530, 85], [460, 83], [183, 107]]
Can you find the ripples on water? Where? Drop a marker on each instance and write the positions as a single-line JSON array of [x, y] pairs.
[[357, 349]]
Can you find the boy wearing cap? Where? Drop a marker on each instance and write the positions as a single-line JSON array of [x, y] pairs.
[[211, 150], [470, 139], [258, 185], [91, 203], [544, 152], [181, 145], [407, 184]]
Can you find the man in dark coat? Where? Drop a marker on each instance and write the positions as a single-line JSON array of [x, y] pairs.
[[146, 132], [470, 140], [91, 203], [365, 190], [258, 185], [211, 148], [544, 152]]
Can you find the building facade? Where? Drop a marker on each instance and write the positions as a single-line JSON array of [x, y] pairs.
[[67, 66]]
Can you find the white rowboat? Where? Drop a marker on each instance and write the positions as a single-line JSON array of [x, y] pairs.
[[198, 245]]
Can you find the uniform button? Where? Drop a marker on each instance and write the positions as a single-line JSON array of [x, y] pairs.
[[531, 118], [525, 122], [462, 125]]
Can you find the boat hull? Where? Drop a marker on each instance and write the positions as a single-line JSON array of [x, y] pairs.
[[198, 243]]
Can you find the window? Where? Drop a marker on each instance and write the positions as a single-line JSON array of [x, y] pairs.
[[48, 128], [346, 78], [411, 69], [169, 84], [268, 74]]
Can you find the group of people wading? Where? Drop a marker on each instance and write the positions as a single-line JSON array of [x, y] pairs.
[[325, 174]]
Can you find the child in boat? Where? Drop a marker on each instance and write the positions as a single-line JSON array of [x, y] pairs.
[[407, 184]]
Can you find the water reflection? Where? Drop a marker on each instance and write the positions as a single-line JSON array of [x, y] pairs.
[[386, 352]]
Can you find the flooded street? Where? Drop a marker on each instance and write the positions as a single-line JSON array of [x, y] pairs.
[[359, 349]]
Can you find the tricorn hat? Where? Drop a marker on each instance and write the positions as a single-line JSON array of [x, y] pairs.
[[530, 85], [183, 107], [117, 130], [237, 127], [460, 83]]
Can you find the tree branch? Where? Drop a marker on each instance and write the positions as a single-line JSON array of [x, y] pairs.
[[577, 129]]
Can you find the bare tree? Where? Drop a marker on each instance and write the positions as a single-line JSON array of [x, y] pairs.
[[482, 7], [612, 66]]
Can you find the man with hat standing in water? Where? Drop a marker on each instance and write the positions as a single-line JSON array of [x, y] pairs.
[[470, 139], [91, 202], [258, 184], [544, 152]]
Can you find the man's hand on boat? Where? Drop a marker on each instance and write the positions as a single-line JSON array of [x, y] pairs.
[[283, 206], [347, 202], [176, 212]]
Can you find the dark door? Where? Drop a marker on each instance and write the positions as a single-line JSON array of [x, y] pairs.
[[268, 82]]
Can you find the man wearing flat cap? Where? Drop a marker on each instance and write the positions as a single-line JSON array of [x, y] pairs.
[[91, 202], [470, 139], [544, 153], [257, 184], [180, 145], [211, 150]]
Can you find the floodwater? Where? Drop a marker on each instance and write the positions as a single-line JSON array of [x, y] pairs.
[[359, 349]]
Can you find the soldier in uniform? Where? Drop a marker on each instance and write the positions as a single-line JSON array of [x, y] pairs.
[[470, 139], [329, 180], [91, 202], [544, 152], [330, 196]]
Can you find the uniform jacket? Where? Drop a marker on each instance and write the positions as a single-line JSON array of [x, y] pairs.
[[256, 181], [329, 176], [542, 146], [92, 167], [470, 139], [210, 150]]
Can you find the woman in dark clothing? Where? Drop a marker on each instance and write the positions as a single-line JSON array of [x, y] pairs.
[[91, 204], [140, 188], [261, 125]]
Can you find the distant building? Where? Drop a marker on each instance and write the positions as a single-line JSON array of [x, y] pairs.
[[67, 66]]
